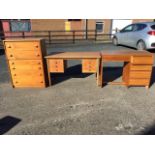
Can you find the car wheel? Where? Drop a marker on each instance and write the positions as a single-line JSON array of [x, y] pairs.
[[141, 45], [115, 41]]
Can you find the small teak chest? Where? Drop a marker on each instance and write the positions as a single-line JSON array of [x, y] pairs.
[[25, 61]]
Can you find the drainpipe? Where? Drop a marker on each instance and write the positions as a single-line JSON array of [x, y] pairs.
[[86, 29]]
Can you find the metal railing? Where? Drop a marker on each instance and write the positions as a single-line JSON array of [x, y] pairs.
[[53, 37]]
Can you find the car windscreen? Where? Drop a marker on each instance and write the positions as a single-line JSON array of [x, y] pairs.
[[153, 27]]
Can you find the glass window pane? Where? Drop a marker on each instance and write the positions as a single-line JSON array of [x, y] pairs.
[[153, 27], [99, 26], [20, 26]]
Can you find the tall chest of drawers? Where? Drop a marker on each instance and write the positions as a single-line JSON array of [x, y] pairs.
[[26, 63]]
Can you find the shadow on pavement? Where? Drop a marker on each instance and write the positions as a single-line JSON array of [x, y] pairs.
[[148, 130], [1, 52], [7, 123], [109, 73], [151, 50], [132, 48], [152, 77], [71, 72], [112, 73]]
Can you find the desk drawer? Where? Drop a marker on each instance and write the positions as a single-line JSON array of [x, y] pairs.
[[116, 58], [141, 67], [139, 82], [89, 65], [142, 60], [140, 74], [56, 65]]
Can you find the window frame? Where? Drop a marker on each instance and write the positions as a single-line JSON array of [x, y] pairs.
[[139, 25], [123, 30], [153, 27], [20, 21], [101, 23]]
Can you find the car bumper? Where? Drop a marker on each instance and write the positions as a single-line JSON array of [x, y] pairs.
[[150, 43]]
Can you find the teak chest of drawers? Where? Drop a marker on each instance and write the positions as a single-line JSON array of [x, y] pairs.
[[56, 62], [26, 63], [137, 67]]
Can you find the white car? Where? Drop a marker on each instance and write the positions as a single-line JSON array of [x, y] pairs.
[[137, 35]]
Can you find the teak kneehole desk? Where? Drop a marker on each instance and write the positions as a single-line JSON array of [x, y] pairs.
[[137, 67], [56, 62]]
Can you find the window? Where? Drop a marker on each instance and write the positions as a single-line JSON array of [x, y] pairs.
[[20, 25], [153, 27], [76, 20], [99, 26], [128, 28], [139, 27]]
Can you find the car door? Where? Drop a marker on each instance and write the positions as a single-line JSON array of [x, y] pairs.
[[124, 36], [136, 34]]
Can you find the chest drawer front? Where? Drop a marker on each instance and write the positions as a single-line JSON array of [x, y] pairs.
[[140, 74], [19, 54], [22, 46], [23, 73], [139, 82], [89, 65], [142, 60], [23, 50], [28, 81], [26, 65], [141, 67], [56, 65]]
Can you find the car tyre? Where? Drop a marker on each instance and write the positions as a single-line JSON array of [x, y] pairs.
[[115, 41], [141, 45]]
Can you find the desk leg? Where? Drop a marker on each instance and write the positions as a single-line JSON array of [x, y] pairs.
[[98, 78], [126, 72], [49, 76], [100, 73]]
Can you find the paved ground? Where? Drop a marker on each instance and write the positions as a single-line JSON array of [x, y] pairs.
[[75, 105]]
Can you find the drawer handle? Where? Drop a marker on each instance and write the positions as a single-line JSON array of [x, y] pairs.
[[41, 82], [11, 55], [13, 68], [13, 63], [36, 46], [37, 55], [15, 74], [40, 74], [9, 46], [39, 63], [39, 68], [16, 81]]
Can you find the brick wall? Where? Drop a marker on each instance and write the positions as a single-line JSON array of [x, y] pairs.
[[47, 24], [57, 25], [142, 20]]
